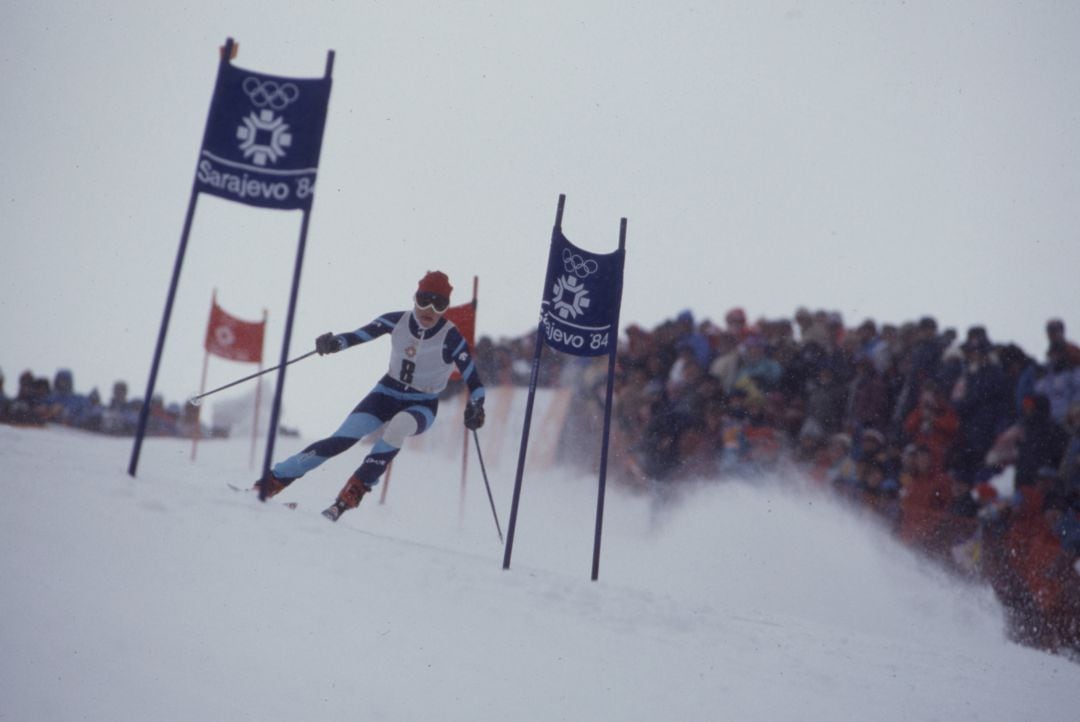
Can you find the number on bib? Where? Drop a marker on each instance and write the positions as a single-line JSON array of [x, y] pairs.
[[407, 369]]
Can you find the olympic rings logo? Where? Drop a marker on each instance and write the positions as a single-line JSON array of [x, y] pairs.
[[577, 265], [270, 93]]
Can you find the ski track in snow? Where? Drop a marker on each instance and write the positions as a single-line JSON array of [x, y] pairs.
[[170, 597]]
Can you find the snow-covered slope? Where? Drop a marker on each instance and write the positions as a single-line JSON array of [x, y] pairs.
[[169, 597]]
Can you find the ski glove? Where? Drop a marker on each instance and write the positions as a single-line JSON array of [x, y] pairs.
[[474, 415], [327, 343]]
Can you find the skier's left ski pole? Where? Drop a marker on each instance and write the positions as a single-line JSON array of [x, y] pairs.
[[483, 471], [195, 400]]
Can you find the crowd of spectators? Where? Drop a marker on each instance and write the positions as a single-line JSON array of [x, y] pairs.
[[38, 402], [966, 448]]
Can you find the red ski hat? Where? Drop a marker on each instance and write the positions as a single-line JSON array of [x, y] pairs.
[[436, 282]]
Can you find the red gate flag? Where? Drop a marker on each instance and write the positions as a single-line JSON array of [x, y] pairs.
[[464, 317], [232, 338]]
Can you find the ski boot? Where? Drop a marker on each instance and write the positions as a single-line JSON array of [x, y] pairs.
[[270, 486], [348, 498]]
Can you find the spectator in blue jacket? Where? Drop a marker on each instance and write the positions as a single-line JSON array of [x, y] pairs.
[[71, 408], [1061, 383]]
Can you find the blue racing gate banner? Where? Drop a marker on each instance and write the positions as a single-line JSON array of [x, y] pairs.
[[263, 137], [582, 293], [261, 147], [579, 315]]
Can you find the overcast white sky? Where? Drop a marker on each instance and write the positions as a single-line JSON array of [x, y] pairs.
[[885, 160]]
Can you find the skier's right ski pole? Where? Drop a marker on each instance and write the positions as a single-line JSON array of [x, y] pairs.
[[486, 485], [196, 400]]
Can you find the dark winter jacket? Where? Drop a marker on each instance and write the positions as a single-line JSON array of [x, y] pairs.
[[1042, 443], [984, 408]]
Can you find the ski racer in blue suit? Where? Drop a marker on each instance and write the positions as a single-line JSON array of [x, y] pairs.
[[425, 348]]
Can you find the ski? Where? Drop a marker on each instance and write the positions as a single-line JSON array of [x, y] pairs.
[[234, 487]]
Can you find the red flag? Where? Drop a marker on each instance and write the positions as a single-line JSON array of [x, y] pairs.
[[464, 317], [232, 338]]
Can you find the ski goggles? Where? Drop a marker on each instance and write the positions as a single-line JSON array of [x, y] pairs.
[[434, 301]]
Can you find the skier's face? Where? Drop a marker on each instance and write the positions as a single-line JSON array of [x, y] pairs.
[[426, 317], [429, 308]]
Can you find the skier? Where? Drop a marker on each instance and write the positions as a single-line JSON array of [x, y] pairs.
[[424, 349]]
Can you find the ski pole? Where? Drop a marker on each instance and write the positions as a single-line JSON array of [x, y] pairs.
[[197, 399], [483, 471]]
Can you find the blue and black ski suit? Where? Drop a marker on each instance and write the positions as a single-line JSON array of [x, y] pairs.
[[406, 399]]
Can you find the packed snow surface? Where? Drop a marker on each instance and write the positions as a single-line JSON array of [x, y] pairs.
[[171, 597]]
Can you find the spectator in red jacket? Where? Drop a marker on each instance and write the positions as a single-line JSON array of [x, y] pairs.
[[924, 503], [934, 424], [1035, 554]]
